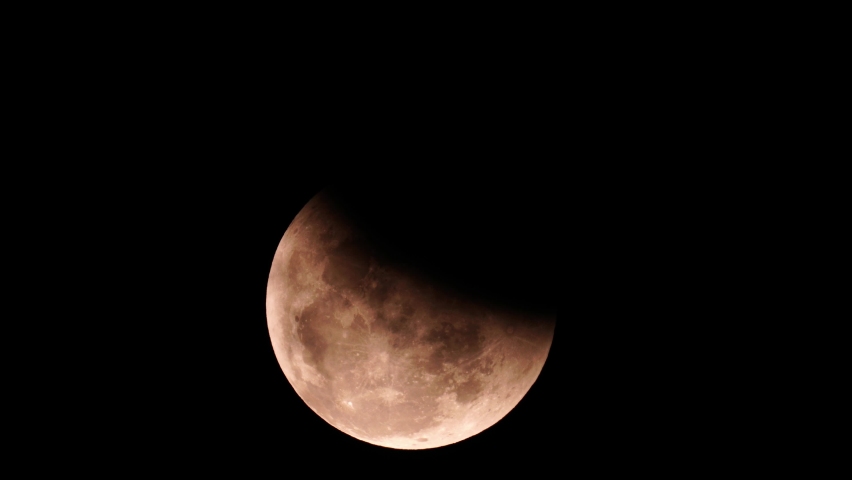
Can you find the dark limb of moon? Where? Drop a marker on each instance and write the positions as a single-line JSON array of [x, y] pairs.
[[381, 352]]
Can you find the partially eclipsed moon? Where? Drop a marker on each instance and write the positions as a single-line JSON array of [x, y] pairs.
[[383, 355]]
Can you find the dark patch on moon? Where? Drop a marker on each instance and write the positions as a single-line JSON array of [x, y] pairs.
[[314, 342], [422, 439], [486, 366], [347, 266], [468, 391], [401, 329], [328, 235], [401, 342], [453, 344], [378, 295]]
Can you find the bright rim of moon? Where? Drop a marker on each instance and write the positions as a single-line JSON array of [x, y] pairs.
[[381, 354]]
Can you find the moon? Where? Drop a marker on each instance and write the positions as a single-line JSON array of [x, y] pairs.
[[382, 353]]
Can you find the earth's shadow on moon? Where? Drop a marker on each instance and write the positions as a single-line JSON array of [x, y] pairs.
[[487, 243], [413, 317]]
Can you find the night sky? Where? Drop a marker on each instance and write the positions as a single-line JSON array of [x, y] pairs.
[[585, 249]]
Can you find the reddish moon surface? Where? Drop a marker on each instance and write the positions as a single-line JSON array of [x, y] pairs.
[[381, 353]]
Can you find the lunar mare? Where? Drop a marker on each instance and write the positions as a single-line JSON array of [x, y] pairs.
[[382, 354]]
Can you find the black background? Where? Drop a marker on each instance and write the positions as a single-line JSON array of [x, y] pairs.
[[203, 152], [220, 387], [599, 250], [581, 218]]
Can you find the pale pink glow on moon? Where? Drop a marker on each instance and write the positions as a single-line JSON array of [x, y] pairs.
[[385, 356]]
